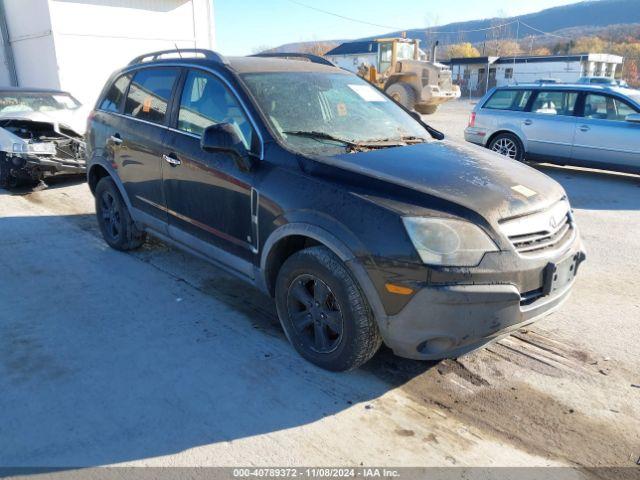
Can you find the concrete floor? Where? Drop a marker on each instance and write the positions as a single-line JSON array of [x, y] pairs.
[[156, 358]]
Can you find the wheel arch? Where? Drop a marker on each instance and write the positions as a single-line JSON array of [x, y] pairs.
[[509, 131], [291, 238], [100, 169]]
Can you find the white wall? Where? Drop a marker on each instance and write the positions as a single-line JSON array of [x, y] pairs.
[[31, 38], [530, 72], [95, 37], [76, 44]]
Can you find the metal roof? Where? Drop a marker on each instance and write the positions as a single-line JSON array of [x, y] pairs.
[[533, 59], [354, 48]]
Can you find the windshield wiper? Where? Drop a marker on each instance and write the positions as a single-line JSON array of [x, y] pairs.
[[322, 136]]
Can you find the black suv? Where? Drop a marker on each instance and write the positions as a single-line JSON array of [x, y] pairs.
[[309, 183]]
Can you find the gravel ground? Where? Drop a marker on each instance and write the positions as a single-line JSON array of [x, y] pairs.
[[156, 358]]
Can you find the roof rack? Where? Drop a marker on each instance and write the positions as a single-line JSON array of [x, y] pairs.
[[208, 54], [308, 56]]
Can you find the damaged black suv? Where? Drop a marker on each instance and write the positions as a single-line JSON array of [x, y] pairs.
[[307, 182]]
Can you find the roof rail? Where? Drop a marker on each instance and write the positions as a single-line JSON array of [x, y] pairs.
[[208, 54], [308, 56]]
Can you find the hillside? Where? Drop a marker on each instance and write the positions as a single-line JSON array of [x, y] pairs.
[[578, 19]]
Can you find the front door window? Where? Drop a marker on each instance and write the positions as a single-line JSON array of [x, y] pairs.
[[206, 101]]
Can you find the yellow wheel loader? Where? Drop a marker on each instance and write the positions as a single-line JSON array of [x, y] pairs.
[[415, 83]]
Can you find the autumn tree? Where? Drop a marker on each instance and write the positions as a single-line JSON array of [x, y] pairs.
[[588, 45], [541, 51], [502, 48], [632, 73], [317, 48], [462, 50]]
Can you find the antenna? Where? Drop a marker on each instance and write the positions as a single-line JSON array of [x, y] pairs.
[[177, 49]]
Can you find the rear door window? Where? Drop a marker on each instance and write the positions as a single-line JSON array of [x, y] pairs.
[[149, 94], [114, 97], [555, 103], [605, 107], [515, 100]]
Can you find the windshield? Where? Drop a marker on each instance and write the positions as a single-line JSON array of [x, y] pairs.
[[405, 51], [331, 113], [36, 102]]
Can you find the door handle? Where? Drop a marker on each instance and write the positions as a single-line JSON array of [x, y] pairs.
[[528, 122], [172, 160], [585, 128], [116, 138]]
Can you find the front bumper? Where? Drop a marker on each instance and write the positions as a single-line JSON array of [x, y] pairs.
[[450, 320], [36, 167]]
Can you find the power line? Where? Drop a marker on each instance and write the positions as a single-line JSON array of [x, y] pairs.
[[543, 32], [472, 31], [343, 16], [428, 30]]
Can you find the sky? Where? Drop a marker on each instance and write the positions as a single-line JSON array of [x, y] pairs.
[[246, 26]]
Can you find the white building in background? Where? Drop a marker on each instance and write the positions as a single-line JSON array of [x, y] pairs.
[[471, 73], [74, 45]]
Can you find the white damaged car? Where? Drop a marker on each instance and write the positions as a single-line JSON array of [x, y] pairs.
[[41, 134]]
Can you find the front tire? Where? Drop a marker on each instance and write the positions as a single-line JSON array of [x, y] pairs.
[[323, 311], [116, 224], [6, 179], [509, 145], [403, 94], [427, 109]]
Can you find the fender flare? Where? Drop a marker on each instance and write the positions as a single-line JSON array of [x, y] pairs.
[[100, 161], [306, 230], [338, 247]]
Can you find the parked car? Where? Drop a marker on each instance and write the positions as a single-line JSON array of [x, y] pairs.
[[41, 134], [315, 187], [584, 125]]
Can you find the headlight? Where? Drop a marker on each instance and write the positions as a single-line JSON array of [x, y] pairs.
[[35, 148], [448, 242]]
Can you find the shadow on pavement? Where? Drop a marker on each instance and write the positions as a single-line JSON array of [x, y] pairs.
[[106, 358], [51, 183]]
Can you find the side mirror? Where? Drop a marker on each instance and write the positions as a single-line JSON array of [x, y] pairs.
[[633, 118], [224, 137]]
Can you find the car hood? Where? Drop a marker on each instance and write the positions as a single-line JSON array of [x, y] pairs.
[[75, 120], [494, 186]]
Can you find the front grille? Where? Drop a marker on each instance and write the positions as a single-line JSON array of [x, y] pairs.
[[540, 232], [543, 240]]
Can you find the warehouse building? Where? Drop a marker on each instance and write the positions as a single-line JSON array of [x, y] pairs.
[[74, 45], [471, 73]]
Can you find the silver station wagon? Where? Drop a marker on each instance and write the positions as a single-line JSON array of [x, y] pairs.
[[584, 125]]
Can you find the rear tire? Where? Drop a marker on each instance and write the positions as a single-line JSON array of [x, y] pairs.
[[403, 94], [116, 224], [324, 313], [509, 145]]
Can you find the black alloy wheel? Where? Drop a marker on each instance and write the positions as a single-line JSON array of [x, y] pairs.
[[315, 314], [110, 216]]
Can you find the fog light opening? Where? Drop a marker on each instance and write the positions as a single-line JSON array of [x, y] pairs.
[[436, 345]]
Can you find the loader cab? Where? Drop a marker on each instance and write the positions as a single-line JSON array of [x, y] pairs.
[[393, 50]]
